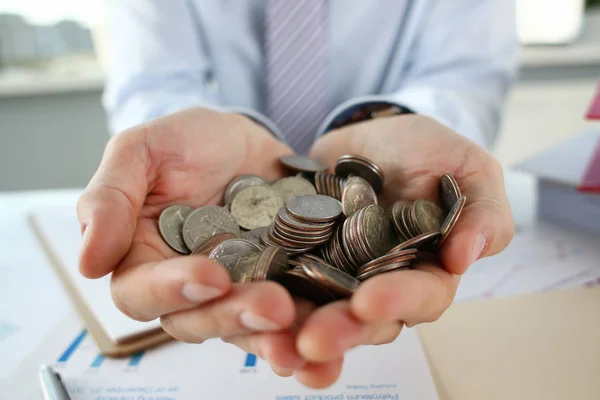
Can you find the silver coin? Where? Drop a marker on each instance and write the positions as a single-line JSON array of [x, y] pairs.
[[314, 208], [360, 166], [240, 183], [170, 225], [452, 218], [449, 190], [286, 219], [357, 194], [405, 265], [256, 206], [417, 242], [378, 231], [293, 186], [302, 163], [255, 234], [206, 221], [398, 220], [238, 256], [428, 215], [212, 242], [299, 285], [271, 264], [332, 278]]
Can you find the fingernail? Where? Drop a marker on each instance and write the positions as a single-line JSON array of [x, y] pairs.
[[480, 242], [85, 234], [292, 365], [257, 323], [197, 293], [84, 240], [283, 372]]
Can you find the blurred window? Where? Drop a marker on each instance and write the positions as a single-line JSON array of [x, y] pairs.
[[34, 33]]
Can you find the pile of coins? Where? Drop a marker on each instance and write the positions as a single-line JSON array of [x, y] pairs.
[[303, 224], [319, 234]]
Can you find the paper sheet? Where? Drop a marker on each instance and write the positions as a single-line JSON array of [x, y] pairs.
[[31, 297], [546, 256], [61, 229], [217, 370]]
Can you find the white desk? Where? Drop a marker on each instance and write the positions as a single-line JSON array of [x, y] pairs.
[[31, 298], [27, 279]]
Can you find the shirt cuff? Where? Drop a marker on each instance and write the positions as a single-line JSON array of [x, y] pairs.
[[258, 118], [354, 110], [424, 101]]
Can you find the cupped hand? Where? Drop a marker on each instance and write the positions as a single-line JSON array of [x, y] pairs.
[[185, 158], [413, 152]]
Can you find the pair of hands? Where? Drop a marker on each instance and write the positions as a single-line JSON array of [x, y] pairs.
[[191, 156]]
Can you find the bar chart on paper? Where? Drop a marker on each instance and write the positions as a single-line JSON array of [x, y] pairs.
[[81, 352], [547, 257], [218, 370], [80, 345]]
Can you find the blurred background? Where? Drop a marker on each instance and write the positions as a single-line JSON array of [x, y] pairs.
[[53, 128]]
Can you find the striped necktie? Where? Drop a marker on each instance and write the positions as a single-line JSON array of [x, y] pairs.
[[295, 46]]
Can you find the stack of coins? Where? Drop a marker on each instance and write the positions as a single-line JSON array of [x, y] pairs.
[[329, 184], [304, 223], [319, 234], [400, 259], [412, 219], [363, 237]]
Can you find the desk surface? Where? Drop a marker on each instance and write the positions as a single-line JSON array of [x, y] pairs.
[[19, 203], [541, 346]]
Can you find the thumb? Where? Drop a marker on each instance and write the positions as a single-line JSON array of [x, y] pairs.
[[109, 207], [486, 225]]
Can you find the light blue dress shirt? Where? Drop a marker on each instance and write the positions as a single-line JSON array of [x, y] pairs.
[[452, 60]]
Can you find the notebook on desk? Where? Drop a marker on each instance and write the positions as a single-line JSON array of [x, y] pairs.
[[115, 333]]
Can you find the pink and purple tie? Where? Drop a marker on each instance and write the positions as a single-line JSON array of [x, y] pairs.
[[295, 45]]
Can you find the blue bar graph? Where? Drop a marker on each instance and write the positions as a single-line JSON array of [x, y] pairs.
[[97, 361], [135, 359], [250, 360], [71, 349]]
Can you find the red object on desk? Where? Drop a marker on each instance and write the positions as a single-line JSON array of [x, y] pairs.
[[594, 110], [591, 178]]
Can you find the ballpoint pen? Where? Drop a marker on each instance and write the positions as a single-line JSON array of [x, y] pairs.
[[53, 386]]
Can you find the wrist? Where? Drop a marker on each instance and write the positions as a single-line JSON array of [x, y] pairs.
[[257, 118], [359, 110]]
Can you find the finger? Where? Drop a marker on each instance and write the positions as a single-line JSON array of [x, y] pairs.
[[283, 372], [319, 375], [332, 330], [330, 147], [304, 308], [148, 290], [108, 208], [249, 307], [486, 225], [277, 348], [412, 296]]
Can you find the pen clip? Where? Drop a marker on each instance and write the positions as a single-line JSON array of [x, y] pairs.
[[63, 384]]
